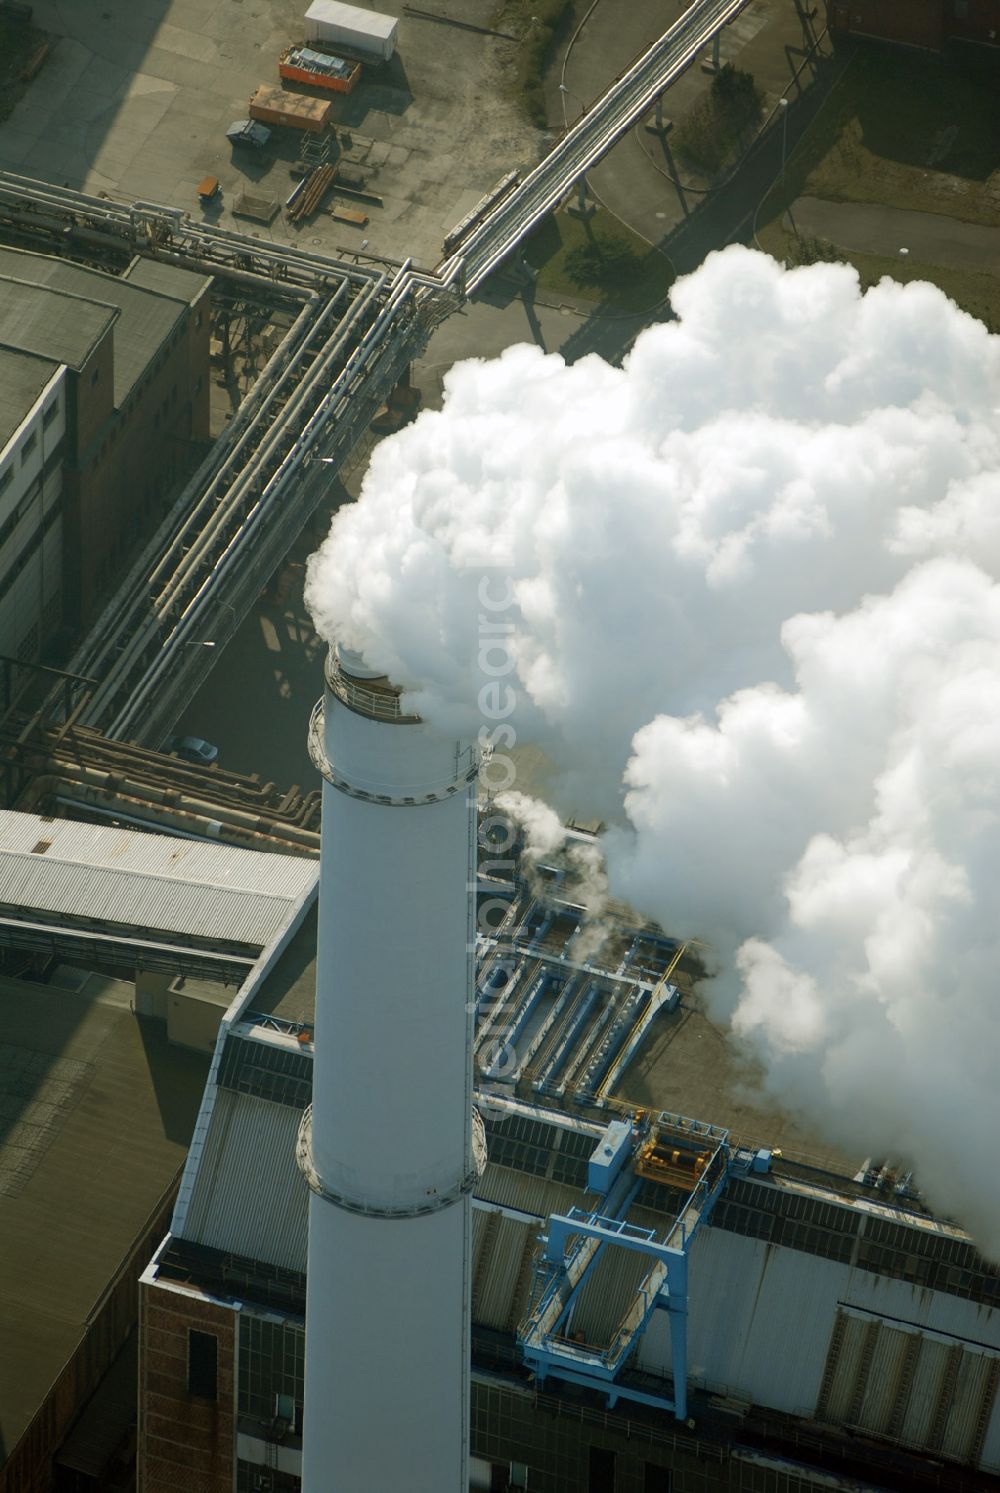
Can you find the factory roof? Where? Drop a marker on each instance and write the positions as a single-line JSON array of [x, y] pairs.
[[684, 1063], [166, 279], [23, 376], [49, 323], [97, 1110], [289, 990], [145, 881], [244, 1198], [148, 306], [690, 1066], [249, 1138]]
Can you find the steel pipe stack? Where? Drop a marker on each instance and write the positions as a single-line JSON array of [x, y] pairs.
[[391, 1148]]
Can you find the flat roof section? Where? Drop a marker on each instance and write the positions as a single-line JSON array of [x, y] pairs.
[[96, 1114], [49, 324], [688, 1066], [23, 376], [289, 990], [147, 881], [146, 316], [166, 279]]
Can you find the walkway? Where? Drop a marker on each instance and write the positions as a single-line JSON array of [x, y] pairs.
[[870, 228]]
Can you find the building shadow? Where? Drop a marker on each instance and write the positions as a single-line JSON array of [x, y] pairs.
[[119, 36], [382, 90], [177, 1075]]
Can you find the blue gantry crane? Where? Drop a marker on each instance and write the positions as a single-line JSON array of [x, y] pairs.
[[668, 1149]]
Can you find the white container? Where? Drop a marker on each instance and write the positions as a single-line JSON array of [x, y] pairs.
[[364, 32]]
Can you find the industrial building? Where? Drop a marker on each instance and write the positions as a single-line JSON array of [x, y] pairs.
[[929, 24], [104, 385], [119, 952], [656, 1301]]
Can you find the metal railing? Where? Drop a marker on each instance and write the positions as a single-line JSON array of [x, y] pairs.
[[590, 138]]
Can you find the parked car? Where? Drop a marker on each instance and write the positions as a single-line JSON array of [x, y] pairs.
[[193, 749]]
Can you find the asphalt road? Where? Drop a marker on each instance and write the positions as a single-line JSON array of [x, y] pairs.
[[869, 227]]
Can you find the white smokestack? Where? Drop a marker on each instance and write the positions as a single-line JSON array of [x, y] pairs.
[[752, 612], [390, 1153]]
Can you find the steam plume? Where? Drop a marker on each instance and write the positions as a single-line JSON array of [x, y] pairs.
[[745, 593]]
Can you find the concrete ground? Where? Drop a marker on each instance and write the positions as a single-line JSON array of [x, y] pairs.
[[870, 228], [136, 96]]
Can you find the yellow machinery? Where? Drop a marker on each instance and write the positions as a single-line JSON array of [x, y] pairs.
[[672, 1159]]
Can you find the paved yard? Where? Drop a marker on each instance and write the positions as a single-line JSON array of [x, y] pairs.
[[137, 94], [867, 227]]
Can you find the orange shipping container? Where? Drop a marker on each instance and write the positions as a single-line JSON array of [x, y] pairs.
[[274, 106], [303, 65]]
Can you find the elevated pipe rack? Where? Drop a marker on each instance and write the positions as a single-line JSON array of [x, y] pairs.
[[150, 672]]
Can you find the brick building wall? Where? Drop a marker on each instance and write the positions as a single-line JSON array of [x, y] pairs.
[[914, 23], [28, 1468], [917, 23], [186, 1440]]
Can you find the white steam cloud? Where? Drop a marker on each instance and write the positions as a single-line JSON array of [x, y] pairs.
[[746, 588], [582, 863]]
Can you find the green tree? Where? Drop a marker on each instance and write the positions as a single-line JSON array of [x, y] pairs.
[[736, 99], [603, 261]]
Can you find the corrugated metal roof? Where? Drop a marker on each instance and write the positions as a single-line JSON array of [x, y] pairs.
[[761, 1316], [972, 1399], [990, 1455], [608, 1291], [148, 881], [249, 1195], [536, 1195], [925, 1392], [846, 1369], [883, 1385], [610, 1286], [498, 1302], [503, 1288]]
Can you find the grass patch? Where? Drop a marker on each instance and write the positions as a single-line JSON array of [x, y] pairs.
[[538, 23], [717, 129], [910, 131], [974, 291], [600, 259], [902, 130]]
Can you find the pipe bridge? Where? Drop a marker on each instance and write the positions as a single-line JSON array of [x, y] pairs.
[[355, 330]]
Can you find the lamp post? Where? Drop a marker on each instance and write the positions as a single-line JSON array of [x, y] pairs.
[[568, 93]]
